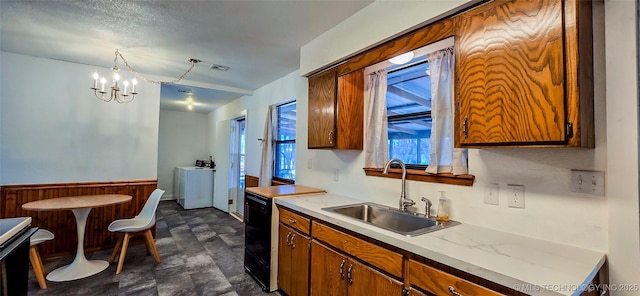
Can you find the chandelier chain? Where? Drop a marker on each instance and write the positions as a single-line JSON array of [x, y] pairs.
[[118, 54]]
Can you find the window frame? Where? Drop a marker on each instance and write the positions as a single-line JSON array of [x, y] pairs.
[[278, 141], [380, 54]]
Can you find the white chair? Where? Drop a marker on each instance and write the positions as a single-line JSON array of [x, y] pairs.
[[138, 225], [41, 235]]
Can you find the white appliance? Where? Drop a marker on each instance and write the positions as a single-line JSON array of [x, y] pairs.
[[193, 187]]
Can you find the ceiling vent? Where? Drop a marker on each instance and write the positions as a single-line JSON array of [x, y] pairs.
[[218, 67]]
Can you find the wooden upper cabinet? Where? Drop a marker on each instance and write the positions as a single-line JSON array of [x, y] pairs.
[[336, 110], [523, 76]]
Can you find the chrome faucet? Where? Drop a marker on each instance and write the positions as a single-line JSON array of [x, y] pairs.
[[427, 207], [404, 202]]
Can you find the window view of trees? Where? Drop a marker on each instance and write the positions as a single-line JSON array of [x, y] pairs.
[[409, 112], [285, 145]]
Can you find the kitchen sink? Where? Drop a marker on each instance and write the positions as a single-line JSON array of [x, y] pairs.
[[391, 219]]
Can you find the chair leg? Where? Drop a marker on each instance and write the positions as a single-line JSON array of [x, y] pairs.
[[146, 243], [148, 237], [125, 244], [38, 269], [115, 249]]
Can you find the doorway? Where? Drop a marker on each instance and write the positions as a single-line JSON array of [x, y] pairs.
[[236, 169]]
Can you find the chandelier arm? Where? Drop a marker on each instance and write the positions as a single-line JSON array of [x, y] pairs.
[[193, 64]]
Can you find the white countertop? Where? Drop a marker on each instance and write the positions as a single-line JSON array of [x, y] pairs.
[[525, 264]]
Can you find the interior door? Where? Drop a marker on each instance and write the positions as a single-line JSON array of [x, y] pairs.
[[222, 158]]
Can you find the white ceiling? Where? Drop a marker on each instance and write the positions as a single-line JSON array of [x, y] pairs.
[[259, 40]]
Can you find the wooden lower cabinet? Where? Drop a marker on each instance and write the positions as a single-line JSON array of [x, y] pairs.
[[438, 282], [293, 262], [333, 273], [414, 292]]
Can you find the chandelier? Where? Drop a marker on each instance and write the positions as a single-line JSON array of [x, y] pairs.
[[123, 95]]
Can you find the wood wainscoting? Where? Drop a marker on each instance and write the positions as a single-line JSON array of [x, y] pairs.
[[63, 224], [251, 181]]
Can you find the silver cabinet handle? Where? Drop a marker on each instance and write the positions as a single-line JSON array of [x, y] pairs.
[[293, 244], [453, 291], [292, 220], [288, 237], [342, 269], [331, 137], [349, 274]]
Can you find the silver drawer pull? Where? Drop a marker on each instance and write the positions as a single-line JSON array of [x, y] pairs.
[[292, 220], [453, 291]]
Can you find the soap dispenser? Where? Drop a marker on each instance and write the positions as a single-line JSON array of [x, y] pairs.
[[443, 209]]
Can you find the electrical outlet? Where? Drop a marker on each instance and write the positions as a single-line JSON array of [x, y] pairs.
[[516, 196], [587, 182], [335, 174], [491, 194]]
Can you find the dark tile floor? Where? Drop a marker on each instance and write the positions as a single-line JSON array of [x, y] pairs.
[[202, 253]]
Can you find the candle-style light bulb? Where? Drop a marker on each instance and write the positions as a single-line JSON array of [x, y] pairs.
[[190, 107], [133, 85], [126, 84], [96, 76], [103, 81], [116, 76]]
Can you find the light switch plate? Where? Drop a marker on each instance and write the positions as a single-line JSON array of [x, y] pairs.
[[515, 196], [491, 194], [587, 182]]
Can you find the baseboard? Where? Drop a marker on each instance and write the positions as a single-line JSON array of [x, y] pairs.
[[168, 197]]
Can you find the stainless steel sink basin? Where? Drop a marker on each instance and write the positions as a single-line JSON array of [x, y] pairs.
[[391, 219]]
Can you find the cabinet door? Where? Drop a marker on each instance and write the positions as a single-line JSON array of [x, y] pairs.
[[328, 272], [363, 280], [414, 292], [510, 74], [350, 111], [284, 259], [299, 281], [322, 110]]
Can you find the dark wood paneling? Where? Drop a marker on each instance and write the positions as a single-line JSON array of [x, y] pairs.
[[251, 181], [62, 223]]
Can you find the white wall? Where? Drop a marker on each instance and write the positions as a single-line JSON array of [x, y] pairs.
[[183, 138], [54, 129], [286, 88], [622, 136]]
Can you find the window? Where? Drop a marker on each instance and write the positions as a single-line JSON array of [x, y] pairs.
[[285, 144], [409, 112]]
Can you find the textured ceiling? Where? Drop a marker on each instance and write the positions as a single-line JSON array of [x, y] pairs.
[[259, 40]]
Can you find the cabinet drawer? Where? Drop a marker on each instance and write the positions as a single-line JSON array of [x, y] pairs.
[[442, 283], [296, 221], [377, 256]]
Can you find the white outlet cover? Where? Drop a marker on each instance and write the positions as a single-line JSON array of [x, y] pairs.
[[515, 196], [587, 182], [491, 194]]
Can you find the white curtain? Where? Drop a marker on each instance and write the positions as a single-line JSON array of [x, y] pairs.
[[444, 158], [375, 120], [268, 138]]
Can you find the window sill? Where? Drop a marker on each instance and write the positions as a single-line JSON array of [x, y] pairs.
[[422, 176]]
